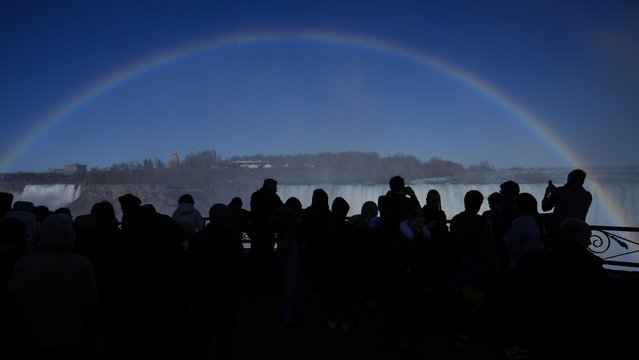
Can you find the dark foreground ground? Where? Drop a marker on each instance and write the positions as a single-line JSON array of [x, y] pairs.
[[261, 335]]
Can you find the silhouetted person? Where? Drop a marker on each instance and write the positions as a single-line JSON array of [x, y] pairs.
[[263, 260], [496, 225], [151, 297], [23, 211], [12, 247], [41, 212], [369, 253], [286, 222], [434, 216], [6, 200], [411, 274], [240, 217], [294, 204], [187, 216], [508, 190], [216, 261], [65, 211], [571, 200], [395, 205], [526, 230], [57, 289], [467, 231], [580, 281], [102, 244], [128, 203], [314, 230], [549, 297], [436, 222], [338, 253]]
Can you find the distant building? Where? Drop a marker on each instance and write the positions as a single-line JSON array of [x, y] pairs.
[[75, 170], [252, 164], [56, 171], [175, 160]]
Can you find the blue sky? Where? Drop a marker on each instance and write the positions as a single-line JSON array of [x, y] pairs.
[[571, 69]]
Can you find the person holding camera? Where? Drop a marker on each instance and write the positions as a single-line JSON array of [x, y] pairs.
[[571, 200], [395, 206]]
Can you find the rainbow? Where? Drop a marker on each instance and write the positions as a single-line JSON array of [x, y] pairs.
[[171, 56]]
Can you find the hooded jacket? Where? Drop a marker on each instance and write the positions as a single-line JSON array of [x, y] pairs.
[[55, 285], [32, 227], [188, 218]]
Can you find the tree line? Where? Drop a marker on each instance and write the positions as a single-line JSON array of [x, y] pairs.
[[204, 169]]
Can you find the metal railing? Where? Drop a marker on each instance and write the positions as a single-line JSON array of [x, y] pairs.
[[609, 244]]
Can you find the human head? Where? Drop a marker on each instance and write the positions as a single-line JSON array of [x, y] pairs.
[[473, 200], [219, 214], [103, 212], [56, 232], [526, 204], [433, 199], [186, 198], [576, 231], [577, 176], [63, 210], [270, 184], [236, 202], [129, 202], [23, 206], [340, 207], [319, 198], [41, 212], [509, 189], [369, 209], [494, 200], [294, 204], [149, 208], [396, 183]]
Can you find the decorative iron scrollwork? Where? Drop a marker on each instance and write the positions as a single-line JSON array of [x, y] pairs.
[[608, 244]]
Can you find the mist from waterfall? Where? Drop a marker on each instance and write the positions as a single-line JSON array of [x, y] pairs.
[[452, 196], [615, 193], [53, 196]]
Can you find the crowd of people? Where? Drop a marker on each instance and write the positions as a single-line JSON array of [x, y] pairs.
[[510, 277]]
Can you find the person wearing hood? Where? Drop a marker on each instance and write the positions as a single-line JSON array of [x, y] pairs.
[[569, 201], [56, 288], [23, 211], [187, 216]]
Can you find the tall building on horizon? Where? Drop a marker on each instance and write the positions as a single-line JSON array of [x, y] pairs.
[[175, 160]]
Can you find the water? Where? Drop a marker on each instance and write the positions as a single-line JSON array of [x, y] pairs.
[[615, 194], [53, 196]]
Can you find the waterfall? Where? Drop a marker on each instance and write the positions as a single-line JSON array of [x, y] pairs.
[[53, 196], [452, 196], [615, 193]]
